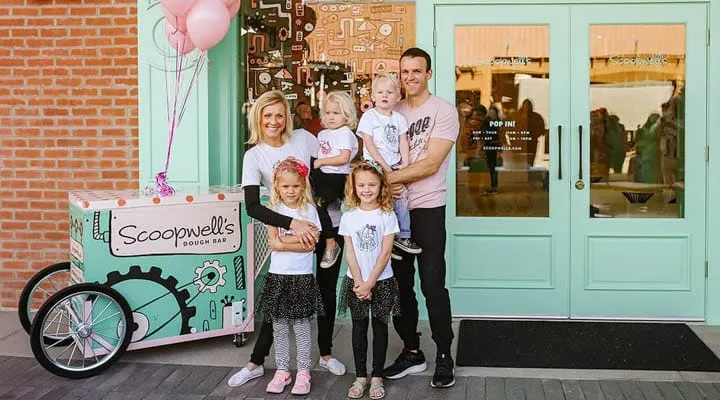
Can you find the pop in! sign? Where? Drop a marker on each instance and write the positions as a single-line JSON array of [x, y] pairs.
[[209, 228]]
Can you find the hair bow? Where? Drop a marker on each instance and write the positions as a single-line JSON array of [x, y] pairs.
[[374, 164]]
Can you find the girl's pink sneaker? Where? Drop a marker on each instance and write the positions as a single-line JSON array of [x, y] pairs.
[[302, 383], [279, 381]]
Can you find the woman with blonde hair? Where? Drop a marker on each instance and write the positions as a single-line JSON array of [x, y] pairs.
[[271, 133]]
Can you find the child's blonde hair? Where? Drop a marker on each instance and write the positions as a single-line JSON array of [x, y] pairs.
[[346, 104], [291, 165], [352, 200], [388, 77], [257, 134]]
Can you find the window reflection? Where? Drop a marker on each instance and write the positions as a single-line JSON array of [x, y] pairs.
[[502, 95], [637, 129]]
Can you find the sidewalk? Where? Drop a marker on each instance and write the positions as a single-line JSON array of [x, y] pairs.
[[199, 370]]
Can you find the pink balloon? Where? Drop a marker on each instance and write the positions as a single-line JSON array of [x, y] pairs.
[[174, 20], [233, 8], [207, 23], [179, 41], [178, 7], [228, 3]]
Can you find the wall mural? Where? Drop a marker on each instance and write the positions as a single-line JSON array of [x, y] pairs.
[[308, 48]]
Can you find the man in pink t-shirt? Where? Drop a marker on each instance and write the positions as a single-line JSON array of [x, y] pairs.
[[432, 130]]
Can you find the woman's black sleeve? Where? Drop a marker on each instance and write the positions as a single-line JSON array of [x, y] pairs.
[[261, 213]]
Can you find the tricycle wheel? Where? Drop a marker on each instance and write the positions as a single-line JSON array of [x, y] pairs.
[[95, 319], [239, 339], [39, 288]]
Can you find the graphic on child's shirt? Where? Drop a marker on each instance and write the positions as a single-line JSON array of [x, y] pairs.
[[325, 147], [391, 134], [367, 237], [285, 232]]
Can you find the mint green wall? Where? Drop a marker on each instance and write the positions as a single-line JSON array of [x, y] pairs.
[[712, 315], [209, 149], [206, 145], [225, 123], [189, 157]]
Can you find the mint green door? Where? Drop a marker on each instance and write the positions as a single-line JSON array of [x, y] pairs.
[[576, 191], [638, 139], [508, 203]]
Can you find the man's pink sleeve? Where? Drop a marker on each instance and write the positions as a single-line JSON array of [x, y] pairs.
[[447, 125]]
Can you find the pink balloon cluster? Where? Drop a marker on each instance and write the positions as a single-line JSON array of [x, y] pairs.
[[197, 23]]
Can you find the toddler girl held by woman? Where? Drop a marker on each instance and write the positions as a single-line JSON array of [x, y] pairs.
[[385, 140], [369, 227], [338, 146], [290, 295]]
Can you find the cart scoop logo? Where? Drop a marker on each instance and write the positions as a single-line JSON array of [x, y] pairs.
[[182, 229]]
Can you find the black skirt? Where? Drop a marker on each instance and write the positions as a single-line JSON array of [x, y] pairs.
[[384, 304], [290, 298]]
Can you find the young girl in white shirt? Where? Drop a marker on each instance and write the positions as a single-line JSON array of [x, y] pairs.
[[338, 146], [369, 227], [290, 295]]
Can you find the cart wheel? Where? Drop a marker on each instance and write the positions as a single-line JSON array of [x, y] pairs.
[[239, 339], [97, 320], [39, 288]]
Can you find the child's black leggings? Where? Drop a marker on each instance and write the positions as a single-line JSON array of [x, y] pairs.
[[327, 189], [360, 346]]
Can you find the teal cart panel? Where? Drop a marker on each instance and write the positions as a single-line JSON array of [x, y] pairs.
[[186, 264]]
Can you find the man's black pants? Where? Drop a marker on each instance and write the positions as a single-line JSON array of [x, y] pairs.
[[428, 230]]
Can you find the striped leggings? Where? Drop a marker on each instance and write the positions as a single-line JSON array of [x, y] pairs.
[[303, 339]]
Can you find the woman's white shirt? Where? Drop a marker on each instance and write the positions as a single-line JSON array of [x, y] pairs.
[[259, 161]]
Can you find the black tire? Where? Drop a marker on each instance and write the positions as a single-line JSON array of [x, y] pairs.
[[74, 293], [24, 313]]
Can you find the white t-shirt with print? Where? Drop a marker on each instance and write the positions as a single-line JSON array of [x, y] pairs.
[[367, 230], [332, 142], [385, 132], [259, 161], [288, 262]]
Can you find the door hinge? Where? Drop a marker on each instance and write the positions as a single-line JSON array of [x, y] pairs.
[[706, 269], [434, 38], [707, 154], [707, 38]]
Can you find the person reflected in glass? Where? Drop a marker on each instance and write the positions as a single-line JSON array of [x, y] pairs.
[[491, 144]]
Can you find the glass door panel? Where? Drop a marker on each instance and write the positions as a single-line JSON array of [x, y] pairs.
[[638, 198], [637, 120], [508, 215], [502, 92]]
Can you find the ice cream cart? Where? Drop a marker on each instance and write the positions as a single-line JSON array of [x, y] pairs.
[[149, 271]]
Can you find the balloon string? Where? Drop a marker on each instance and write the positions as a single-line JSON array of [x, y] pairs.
[[174, 120], [198, 67]]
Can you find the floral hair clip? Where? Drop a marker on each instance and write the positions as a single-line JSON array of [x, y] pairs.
[[292, 163], [376, 165]]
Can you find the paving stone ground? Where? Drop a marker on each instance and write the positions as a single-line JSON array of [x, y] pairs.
[[23, 378]]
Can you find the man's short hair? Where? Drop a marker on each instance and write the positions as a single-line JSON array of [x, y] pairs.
[[417, 52]]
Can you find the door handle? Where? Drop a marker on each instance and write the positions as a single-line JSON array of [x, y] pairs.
[[560, 152], [580, 148]]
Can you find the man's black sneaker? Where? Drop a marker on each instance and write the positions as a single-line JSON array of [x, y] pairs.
[[407, 362], [444, 376]]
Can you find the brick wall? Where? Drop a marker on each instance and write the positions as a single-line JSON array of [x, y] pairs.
[[68, 120]]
